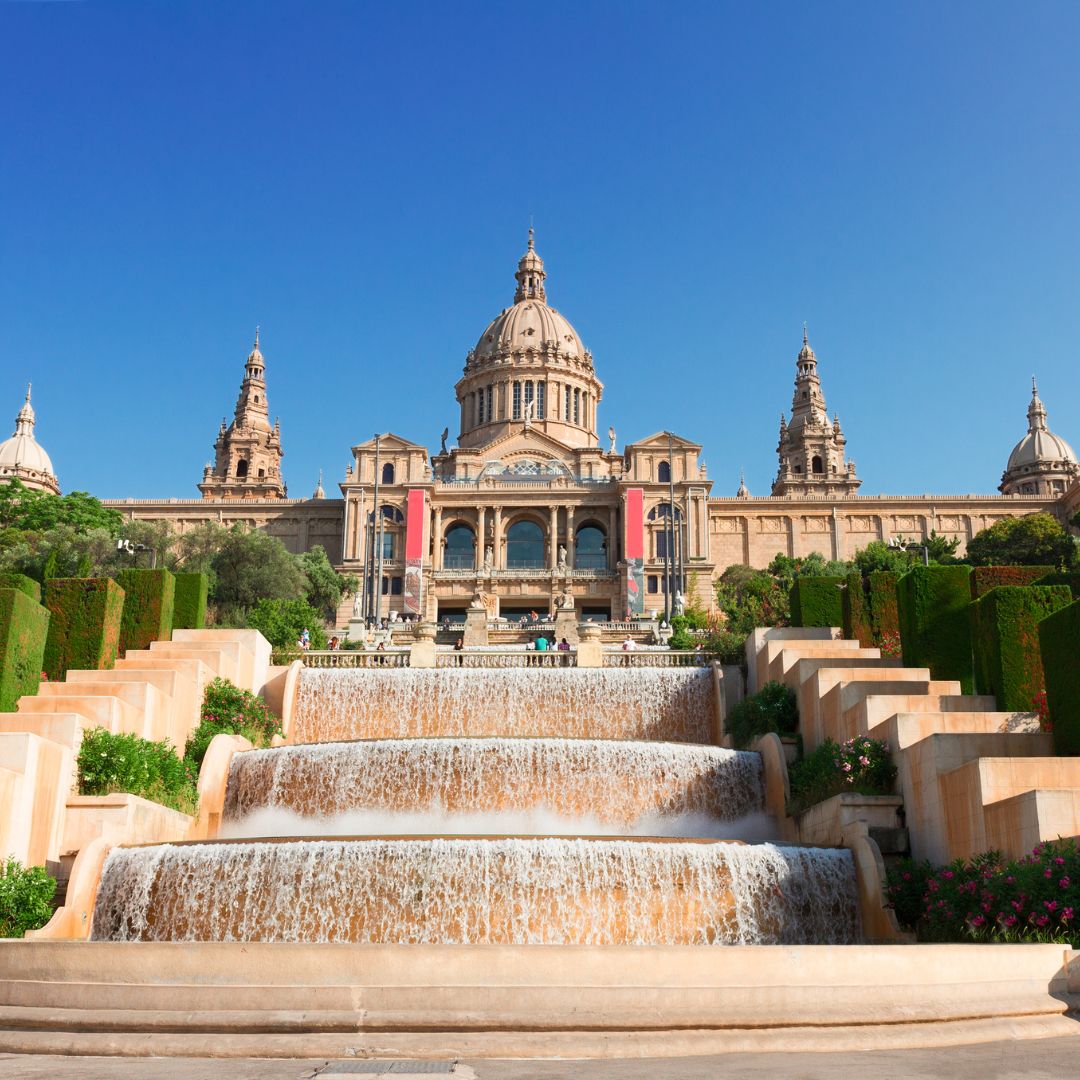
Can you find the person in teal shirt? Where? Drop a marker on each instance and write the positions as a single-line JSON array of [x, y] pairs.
[[541, 644]]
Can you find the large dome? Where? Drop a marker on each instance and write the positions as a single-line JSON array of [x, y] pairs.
[[23, 458], [1041, 462]]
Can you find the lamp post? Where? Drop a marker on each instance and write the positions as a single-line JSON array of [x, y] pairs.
[[898, 543]]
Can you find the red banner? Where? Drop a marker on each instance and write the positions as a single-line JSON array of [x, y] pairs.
[[415, 517]]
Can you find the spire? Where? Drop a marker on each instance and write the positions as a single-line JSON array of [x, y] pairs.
[[24, 422], [530, 274], [1036, 410], [319, 493], [744, 491]]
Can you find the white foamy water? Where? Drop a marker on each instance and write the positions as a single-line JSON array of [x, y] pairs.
[[673, 705], [613, 783], [470, 891]]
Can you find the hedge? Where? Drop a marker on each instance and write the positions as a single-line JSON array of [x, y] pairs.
[[24, 626], [1067, 577], [883, 610], [1005, 639], [935, 629], [23, 583], [148, 607], [84, 624], [815, 601], [855, 604], [189, 603], [1058, 637], [985, 578]]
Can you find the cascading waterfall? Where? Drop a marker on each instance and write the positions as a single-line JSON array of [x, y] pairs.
[[471, 891], [616, 783], [671, 705]]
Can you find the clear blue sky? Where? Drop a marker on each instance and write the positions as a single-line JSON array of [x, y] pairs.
[[358, 179]]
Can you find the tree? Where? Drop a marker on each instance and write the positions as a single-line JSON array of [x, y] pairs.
[[251, 566], [1035, 540], [786, 569], [280, 622], [750, 598], [39, 511], [878, 555], [325, 585]]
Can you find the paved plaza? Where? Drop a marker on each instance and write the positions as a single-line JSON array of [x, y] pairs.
[[1036, 1059]]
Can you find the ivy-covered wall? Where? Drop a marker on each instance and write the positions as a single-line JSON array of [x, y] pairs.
[[189, 605], [1063, 577], [1005, 641], [23, 583], [815, 601], [985, 578], [935, 629], [148, 607], [24, 627], [883, 610], [855, 604], [84, 624], [1059, 634]]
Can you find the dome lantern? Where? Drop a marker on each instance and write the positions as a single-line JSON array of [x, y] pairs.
[[23, 458]]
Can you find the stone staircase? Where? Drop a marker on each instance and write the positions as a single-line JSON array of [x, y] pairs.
[[972, 779]]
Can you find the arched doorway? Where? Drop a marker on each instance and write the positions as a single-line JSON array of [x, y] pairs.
[[524, 546], [590, 548], [460, 550]]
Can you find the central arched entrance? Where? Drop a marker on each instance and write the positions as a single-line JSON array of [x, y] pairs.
[[524, 546]]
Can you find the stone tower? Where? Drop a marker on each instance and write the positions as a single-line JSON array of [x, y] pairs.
[[811, 447], [247, 454]]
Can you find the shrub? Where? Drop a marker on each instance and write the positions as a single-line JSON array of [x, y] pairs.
[[189, 601], [24, 628], [773, 708], [229, 710], [985, 578], [681, 638], [883, 609], [127, 763], [1058, 635], [84, 624], [1034, 540], [855, 605], [816, 601], [1005, 638], [989, 898], [148, 607], [935, 629], [26, 894], [23, 583], [729, 646], [860, 765], [1070, 578], [280, 622]]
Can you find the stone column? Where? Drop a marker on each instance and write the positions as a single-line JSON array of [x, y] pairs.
[[481, 536], [496, 540], [613, 538], [437, 553], [553, 533], [571, 544]]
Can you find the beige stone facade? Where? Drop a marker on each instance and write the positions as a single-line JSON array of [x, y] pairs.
[[530, 510]]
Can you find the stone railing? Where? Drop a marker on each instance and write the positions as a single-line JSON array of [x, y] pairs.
[[672, 658], [491, 658], [348, 658]]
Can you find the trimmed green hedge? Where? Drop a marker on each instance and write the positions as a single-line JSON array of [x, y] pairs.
[[1005, 637], [1068, 577], [816, 601], [24, 626], [855, 605], [883, 609], [84, 624], [148, 607], [935, 629], [23, 583], [1058, 637], [189, 602], [985, 578]]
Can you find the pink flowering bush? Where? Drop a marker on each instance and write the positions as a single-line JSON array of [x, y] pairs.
[[1039, 705], [861, 765], [1036, 898]]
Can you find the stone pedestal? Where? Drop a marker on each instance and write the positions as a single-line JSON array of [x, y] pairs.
[[422, 650], [357, 630], [476, 627], [566, 625], [590, 652]]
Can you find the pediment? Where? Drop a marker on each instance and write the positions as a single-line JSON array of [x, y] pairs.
[[389, 441], [522, 443], [659, 441]]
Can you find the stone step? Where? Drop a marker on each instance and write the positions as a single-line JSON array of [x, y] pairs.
[[154, 706], [65, 728], [874, 709], [1016, 825], [252, 653], [912, 727], [755, 644], [792, 651], [183, 694], [97, 710], [221, 661], [837, 708]]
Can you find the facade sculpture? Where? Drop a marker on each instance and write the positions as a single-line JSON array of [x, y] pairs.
[[530, 512]]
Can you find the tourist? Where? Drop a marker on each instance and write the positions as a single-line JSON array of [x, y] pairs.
[[305, 638], [334, 643], [628, 644], [533, 617], [564, 645], [541, 644]]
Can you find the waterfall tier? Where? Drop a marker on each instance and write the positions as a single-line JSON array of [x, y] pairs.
[[614, 783], [670, 705], [474, 891]]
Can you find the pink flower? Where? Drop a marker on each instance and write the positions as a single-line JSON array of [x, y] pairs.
[[1048, 873], [1042, 920], [1060, 861], [1067, 914], [847, 766], [948, 875], [1063, 883], [1050, 905]]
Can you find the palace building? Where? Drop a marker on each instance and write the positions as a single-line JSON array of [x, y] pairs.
[[532, 509]]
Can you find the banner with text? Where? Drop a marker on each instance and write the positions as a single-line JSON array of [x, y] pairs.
[[634, 546], [416, 515]]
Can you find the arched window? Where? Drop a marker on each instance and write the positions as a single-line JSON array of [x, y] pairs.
[[460, 552], [487, 411], [663, 472], [516, 414], [241, 468], [388, 473], [528, 393], [392, 513], [524, 546], [816, 465], [566, 403], [590, 548], [577, 406], [540, 402]]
